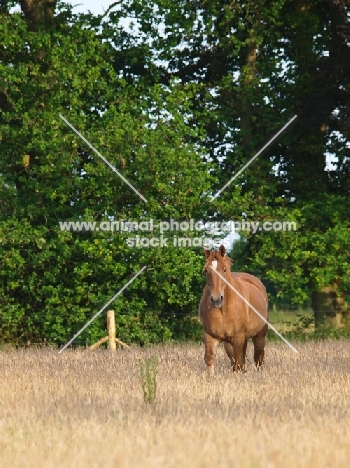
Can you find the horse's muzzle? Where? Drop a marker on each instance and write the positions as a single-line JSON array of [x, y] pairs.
[[217, 302]]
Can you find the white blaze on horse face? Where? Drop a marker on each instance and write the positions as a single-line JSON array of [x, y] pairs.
[[214, 264]]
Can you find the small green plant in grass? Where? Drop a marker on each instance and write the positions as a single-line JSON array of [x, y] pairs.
[[148, 375]]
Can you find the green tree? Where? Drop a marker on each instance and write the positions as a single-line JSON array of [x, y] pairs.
[[253, 66], [178, 102], [52, 280]]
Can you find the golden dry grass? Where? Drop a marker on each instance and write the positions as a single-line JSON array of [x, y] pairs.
[[86, 409]]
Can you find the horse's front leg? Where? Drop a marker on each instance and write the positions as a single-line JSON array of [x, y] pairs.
[[211, 344]]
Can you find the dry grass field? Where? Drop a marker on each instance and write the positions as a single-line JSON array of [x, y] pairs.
[[86, 409]]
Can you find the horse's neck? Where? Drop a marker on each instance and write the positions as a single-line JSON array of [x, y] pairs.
[[232, 278], [235, 283]]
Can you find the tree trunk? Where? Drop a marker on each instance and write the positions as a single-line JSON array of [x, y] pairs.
[[246, 107], [39, 13], [329, 308]]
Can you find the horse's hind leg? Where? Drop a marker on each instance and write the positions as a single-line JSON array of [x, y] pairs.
[[210, 350], [229, 351], [240, 351], [244, 351], [239, 347], [259, 346], [240, 354]]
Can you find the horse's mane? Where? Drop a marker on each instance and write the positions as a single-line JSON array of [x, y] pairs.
[[225, 261]]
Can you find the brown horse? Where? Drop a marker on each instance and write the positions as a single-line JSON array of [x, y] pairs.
[[226, 317]]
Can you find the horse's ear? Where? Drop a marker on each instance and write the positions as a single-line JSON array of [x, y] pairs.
[[207, 253], [222, 250]]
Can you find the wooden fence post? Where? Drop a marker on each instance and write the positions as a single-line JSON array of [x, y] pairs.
[[111, 338], [111, 330]]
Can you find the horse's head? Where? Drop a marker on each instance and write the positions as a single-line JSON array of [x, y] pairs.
[[217, 262]]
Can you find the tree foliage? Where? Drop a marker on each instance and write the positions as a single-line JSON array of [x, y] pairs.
[[177, 96], [52, 279], [254, 66]]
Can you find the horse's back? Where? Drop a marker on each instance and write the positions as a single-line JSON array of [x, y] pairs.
[[258, 290], [248, 278]]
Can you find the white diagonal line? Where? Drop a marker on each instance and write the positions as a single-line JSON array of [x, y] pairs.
[[103, 308], [103, 158], [258, 313], [253, 158]]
